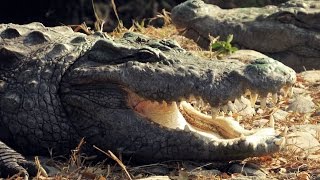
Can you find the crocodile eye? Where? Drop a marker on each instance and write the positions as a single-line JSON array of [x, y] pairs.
[[147, 55]]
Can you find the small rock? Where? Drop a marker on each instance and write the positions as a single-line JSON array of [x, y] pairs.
[[303, 142], [312, 129], [280, 115], [297, 90], [204, 173], [247, 170], [288, 176], [301, 104], [261, 123], [314, 157], [156, 178], [246, 56], [155, 170], [243, 177], [243, 107], [311, 76]]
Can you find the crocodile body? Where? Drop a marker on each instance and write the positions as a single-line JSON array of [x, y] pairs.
[[288, 32], [58, 86]]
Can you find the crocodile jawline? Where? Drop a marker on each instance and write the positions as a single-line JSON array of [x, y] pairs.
[[183, 116]]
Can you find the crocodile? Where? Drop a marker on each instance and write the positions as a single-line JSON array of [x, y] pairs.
[[128, 95], [288, 32]]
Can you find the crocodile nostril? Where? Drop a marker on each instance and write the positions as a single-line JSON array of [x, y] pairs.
[[36, 37], [10, 33]]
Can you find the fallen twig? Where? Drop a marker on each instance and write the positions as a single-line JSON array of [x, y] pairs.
[[114, 157]]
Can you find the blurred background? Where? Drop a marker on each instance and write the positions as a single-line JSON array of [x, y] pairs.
[[75, 12]]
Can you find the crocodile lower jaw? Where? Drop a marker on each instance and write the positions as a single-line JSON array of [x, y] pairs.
[[182, 115]]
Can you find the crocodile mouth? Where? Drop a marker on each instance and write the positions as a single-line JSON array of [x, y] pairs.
[[203, 119]]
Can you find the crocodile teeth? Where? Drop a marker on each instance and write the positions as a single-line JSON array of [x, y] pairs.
[[230, 144], [226, 126], [223, 144], [191, 98], [271, 121], [215, 112], [225, 108], [262, 146], [230, 113], [253, 145], [182, 99], [247, 92], [232, 106], [253, 99], [186, 128], [242, 137], [238, 118], [222, 113], [164, 103], [263, 103], [285, 132], [200, 102], [288, 91], [281, 141], [274, 98]]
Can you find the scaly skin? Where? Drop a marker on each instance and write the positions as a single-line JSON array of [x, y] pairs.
[[57, 86], [288, 32]]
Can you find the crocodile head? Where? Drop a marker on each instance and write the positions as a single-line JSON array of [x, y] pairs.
[[131, 95]]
